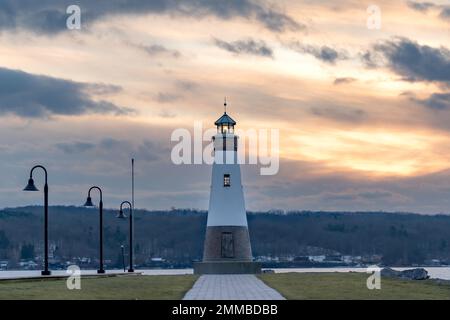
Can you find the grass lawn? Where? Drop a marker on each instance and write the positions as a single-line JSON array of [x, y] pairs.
[[119, 287], [351, 286]]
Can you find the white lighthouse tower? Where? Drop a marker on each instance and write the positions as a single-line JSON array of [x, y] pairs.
[[227, 246]]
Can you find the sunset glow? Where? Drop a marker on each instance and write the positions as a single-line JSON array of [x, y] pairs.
[[345, 98]]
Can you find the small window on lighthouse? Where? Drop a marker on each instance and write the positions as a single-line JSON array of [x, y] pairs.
[[226, 180]]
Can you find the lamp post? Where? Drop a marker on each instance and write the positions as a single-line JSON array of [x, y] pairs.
[[31, 187], [89, 203], [123, 257], [122, 215]]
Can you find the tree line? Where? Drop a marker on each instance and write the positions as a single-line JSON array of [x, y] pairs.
[[177, 235]]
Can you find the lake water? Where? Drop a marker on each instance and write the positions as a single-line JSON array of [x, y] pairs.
[[434, 272]]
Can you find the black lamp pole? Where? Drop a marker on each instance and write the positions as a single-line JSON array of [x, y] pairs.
[[31, 187], [121, 215], [123, 257], [90, 204]]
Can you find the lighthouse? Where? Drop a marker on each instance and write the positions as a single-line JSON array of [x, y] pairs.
[[227, 248]]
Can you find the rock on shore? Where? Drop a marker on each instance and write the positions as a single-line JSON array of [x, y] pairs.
[[410, 274]]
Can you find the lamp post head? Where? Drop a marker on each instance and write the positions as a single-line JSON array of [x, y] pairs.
[[88, 202], [121, 215], [30, 186]]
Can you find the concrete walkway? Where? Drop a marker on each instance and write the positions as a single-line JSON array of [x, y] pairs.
[[231, 287]]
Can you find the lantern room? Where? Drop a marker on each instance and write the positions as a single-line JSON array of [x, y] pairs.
[[225, 124]]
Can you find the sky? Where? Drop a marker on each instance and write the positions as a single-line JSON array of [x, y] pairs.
[[363, 113]]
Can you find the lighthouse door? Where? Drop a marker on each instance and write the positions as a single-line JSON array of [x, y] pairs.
[[227, 245]]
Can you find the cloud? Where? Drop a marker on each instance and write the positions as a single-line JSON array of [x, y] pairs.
[[278, 22], [50, 16], [165, 97], [436, 101], [323, 53], [111, 143], [375, 194], [75, 147], [269, 17], [360, 198], [157, 50], [247, 46], [146, 150], [101, 88], [338, 196], [420, 6], [34, 96], [370, 59], [343, 80], [186, 85], [416, 62], [426, 6], [342, 114], [445, 13], [167, 114]]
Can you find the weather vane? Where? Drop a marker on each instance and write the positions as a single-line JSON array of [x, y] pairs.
[[225, 104]]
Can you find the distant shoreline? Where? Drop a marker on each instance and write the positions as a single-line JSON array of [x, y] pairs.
[[442, 273]]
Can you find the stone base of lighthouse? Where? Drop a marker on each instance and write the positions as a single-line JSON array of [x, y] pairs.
[[227, 250]]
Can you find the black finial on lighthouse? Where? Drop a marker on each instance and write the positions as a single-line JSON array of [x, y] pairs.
[[225, 123]]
